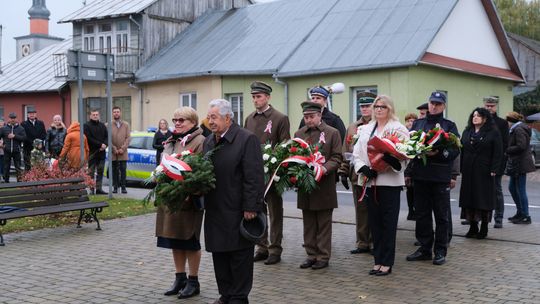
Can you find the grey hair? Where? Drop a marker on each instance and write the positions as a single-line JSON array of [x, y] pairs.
[[224, 107]]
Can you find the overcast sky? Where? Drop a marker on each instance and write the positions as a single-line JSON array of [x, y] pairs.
[[15, 22]]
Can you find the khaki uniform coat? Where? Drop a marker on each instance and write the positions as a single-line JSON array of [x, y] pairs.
[[348, 145], [120, 140], [280, 126], [183, 224], [325, 196]]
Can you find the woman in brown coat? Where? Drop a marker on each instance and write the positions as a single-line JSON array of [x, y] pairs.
[[180, 231], [71, 152]]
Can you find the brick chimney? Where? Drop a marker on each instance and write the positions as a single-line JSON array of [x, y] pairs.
[[39, 18]]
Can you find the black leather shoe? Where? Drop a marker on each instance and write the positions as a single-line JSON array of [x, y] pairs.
[[498, 224], [115, 190], [99, 191], [513, 217], [411, 216], [360, 250], [179, 283], [465, 222], [260, 256], [191, 289], [417, 243], [374, 271], [307, 263], [124, 190], [419, 255], [383, 273], [272, 259], [439, 259], [319, 265]]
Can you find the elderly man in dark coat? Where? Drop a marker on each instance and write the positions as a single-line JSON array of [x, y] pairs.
[[34, 129], [238, 166], [318, 206], [271, 127]]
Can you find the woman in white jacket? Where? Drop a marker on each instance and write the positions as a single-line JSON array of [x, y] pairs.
[[382, 188]]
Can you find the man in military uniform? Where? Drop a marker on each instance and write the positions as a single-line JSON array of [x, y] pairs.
[[491, 103], [317, 207], [320, 95], [271, 127], [432, 184], [363, 236]]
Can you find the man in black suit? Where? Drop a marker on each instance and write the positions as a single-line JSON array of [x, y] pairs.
[[238, 166], [34, 129], [491, 103]]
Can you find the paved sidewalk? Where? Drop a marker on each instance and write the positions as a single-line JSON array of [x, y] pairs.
[[122, 265]]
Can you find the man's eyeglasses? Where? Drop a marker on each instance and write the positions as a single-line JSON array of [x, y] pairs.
[[380, 107], [179, 120]]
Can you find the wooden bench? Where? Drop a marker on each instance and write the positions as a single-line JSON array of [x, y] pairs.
[[47, 197]]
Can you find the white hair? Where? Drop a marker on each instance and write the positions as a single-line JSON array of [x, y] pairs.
[[224, 107]]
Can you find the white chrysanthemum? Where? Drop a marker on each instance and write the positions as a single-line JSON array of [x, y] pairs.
[[276, 178], [268, 147], [159, 169], [284, 145], [184, 153], [273, 160], [265, 169], [174, 155], [266, 157]]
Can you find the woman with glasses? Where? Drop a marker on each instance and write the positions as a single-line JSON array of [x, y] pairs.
[[160, 137], [383, 187], [180, 231]]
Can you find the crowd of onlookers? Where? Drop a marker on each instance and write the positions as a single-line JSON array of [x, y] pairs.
[[61, 146]]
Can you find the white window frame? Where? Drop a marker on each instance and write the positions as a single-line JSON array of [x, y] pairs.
[[191, 100], [237, 105], [354, 98], [105, 42]]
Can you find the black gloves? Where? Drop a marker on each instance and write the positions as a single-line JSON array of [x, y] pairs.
[[368, 172], [344, 181], [392, 161]]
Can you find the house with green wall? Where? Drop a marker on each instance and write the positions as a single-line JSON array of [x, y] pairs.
[[405, 49]]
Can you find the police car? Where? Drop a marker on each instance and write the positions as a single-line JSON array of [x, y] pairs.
[[142, 156]]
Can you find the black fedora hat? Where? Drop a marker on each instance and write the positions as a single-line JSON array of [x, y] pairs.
[[253, 230]]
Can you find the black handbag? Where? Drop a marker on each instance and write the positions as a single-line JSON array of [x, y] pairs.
[[512, 167]]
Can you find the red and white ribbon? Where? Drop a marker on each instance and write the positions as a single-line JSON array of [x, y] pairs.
[[184, 140], [268, 127], [314, 161]]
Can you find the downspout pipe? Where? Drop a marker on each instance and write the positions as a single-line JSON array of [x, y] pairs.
[[286, 89], [140, 89]]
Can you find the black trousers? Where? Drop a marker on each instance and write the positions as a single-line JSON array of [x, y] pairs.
[[96, 167], [383, 214], [234, 274], [119, 173], [432, 197], [8, 156], [27, 157]]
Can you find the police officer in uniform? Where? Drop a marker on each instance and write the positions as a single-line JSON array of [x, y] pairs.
[[432, 184], [363, 236], [320, 95], [317, 207], [271, 127]]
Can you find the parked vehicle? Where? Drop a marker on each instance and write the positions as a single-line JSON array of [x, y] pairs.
[[535, 146], [142, 157]]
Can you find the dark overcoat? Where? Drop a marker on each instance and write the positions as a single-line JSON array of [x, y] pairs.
[[479, 158], [186, 222], [238, 166], [519, 148], [325, 196]]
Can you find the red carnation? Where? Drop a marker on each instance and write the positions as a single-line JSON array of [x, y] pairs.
[[293, 179], [446, 135], [285, 165], [293, 150]]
